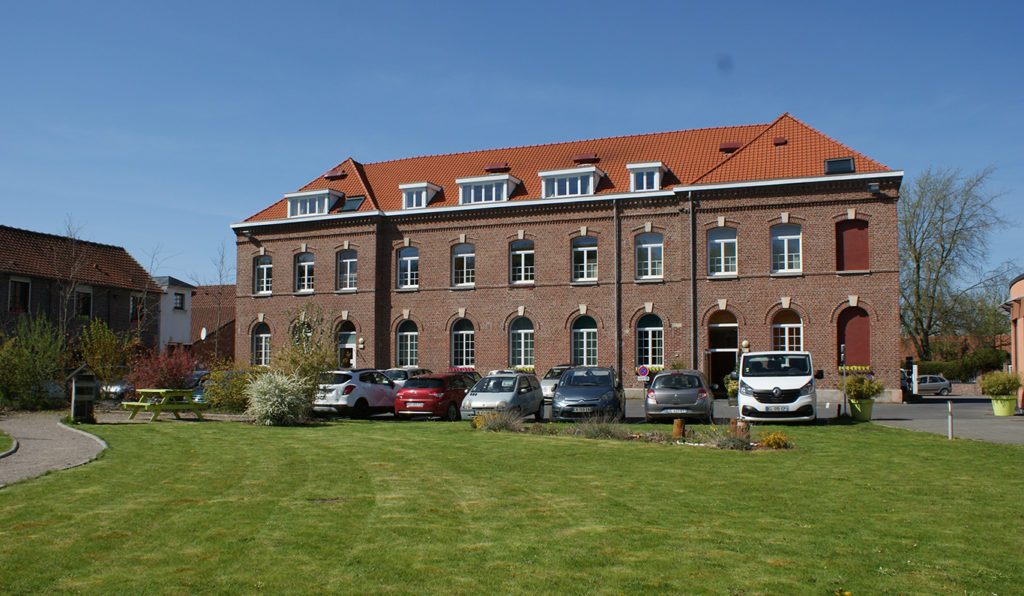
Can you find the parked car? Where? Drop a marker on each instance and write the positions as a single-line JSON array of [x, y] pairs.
[[679, 394], [401, 375], [547, 384], [357, 393], [433, 395], [588, 391], [472, 375], [118, 390], [505, 390], [933, 384], [777, 386]]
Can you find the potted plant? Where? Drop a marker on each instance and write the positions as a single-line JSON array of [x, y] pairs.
[[1001, 388], [861, 392]]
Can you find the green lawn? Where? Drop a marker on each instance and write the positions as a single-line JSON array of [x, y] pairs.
[[5, 441], [385, 507]]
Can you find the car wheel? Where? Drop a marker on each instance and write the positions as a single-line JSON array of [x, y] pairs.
[[361, 409], [451, 414], [943, 391], [539, 414], [711, 413]]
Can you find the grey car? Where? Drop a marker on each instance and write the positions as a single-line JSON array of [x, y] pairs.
[[505, 390], [933, 384], [587, 392], [679, 394], [547, 384]]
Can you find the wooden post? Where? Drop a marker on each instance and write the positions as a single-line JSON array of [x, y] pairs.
[[678, 428], [739, 428]]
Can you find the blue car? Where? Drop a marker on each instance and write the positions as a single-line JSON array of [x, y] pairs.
[[588, 392]]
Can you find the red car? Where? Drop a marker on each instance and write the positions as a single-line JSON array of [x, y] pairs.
[[432, 395]]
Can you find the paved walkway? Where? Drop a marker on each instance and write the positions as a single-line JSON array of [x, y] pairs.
[[44, 445]]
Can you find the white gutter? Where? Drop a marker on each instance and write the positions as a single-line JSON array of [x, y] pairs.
[[784, 181]]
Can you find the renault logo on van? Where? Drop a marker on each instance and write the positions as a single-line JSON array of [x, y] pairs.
[[776, 392]]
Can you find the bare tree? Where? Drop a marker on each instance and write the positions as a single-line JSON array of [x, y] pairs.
[[68, 259], [945, 218], [148, 304], [223, 273]]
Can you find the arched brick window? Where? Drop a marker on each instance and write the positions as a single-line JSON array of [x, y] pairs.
[[853, 328]]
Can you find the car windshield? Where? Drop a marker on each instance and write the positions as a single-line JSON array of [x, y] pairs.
[[676, 382], [423, 384], [777, 365], [589, 378], [556, 372], [396, 375], [334, 378], [495, 385]]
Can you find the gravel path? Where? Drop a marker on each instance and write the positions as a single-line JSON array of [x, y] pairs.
[[44, 445]]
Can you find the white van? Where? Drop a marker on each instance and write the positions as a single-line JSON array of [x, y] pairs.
[[776, 386]]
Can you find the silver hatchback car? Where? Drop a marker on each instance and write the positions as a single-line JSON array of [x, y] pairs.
[[933, 384], [679, 394], [505, 390]]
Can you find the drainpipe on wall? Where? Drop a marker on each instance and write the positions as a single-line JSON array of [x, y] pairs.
[[692, 207], [618, 293]]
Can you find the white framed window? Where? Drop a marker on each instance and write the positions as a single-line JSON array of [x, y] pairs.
[[304, 272], [463, 265], [18, 295], [417, 195], [347, 265], [485, 189], [83, 301], [584, 341], [409, 267], [408, 344], [262, 274], [645, 176], [584, 258], [261, 345], [463, 345], [521, 257], [317, 202], [650, 341], [649, 262], [786, 249], [520, 349], [722, 251], [787, 332], [573, 182]]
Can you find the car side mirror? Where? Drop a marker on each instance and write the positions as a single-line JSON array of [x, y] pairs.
[[734, 376], [820, 374]]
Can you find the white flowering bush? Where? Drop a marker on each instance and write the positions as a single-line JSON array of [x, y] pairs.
[[277, 399]]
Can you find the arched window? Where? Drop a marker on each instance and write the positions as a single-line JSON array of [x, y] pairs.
[[722, 251], [262, 274], [409, 267], [787, 332], [650, 341], [852, 245], [521, 343], [463, 265], [408, 344], [345, 341], [853, 330], [649, 256], [584, 341], [345, 278], [304, 272], [463, 345], [584, 258], [261, 345], [521, 262], [786, 255]]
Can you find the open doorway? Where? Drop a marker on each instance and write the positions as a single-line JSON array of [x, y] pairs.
[[723, 345], [346, 342]]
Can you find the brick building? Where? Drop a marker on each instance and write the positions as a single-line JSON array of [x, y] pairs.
[[213, 311], [648, 249]]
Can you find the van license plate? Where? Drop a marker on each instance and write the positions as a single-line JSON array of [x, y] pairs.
[[777, 408]]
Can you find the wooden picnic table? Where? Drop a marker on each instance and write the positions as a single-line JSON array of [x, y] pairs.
[[159, 400]]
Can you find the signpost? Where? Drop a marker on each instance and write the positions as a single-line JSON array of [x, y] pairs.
[[642, 374]]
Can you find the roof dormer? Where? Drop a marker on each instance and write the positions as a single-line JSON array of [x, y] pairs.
[[645, 175], [570, 182], [486, 189], [416, 195], [312, 202]]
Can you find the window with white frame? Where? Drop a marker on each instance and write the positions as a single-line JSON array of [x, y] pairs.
[[408, 344], [304, 272], [584, 258], [649, 262], [650, 341], [645, 176], [18, 295], [722, 251], [409, 267], [315, 205], [521, 267], [520, 350], [584, 341], [262, 274], [787, 332], [786, 249], [261, 345], [417, 195], [573, 182], [463, 345], [463, 265], [83, 301], [485, 189], [346, 270]]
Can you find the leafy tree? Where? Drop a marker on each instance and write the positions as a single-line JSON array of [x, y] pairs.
[[30, 358], [103, 351], [945, 218], [310, 353]]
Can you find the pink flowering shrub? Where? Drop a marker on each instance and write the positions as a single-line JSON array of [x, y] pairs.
[[170, 370]]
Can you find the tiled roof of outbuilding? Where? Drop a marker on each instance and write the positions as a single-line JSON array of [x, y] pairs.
[[34, 254], [691, 156], [205, 307]]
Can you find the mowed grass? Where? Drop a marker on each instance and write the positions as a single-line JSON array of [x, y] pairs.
[[5, 441], [428, 507]]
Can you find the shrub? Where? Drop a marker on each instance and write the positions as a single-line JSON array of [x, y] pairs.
[[858, 387], [30, 360], [734, 444], [776, 440], [597, 428], [732, 388], [277, 399], [543, 429], [495, 421], [310, 353], [999, 383], [225, 389], [103, 351], [170, 370]]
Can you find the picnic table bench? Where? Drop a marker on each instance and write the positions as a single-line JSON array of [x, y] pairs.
[[160, 400]]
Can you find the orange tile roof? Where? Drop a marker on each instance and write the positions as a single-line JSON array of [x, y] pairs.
[[691, 156], [34, 254]]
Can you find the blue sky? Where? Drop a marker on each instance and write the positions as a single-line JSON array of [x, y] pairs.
[[156, 125]]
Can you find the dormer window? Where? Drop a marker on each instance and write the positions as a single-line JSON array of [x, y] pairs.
[[304, 204], [645, 176], [485, 189], [416, 195], [572, 182]]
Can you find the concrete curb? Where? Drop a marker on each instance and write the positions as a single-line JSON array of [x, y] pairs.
[[103, 444], [13, 448]]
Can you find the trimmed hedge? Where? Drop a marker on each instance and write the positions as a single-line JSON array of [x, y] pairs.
[[967, 368]]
